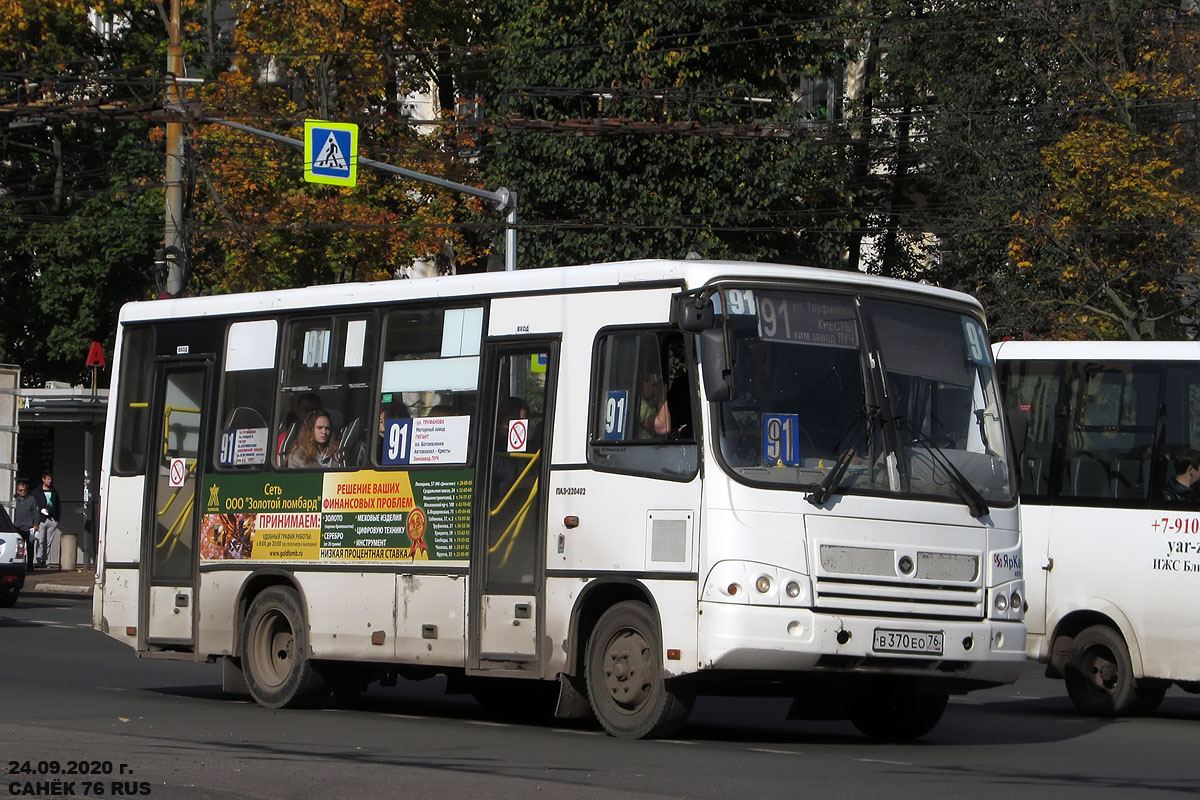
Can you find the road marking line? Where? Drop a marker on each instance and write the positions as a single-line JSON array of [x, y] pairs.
[[774, 752], [884, 761]]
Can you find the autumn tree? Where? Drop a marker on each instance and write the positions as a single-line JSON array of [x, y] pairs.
[[1109, 249], [256, 223]]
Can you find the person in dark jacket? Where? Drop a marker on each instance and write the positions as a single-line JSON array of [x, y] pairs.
[[26, 518], [49, 509], [1187, 470]]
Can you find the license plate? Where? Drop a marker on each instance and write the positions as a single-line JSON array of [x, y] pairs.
[[892, 640]]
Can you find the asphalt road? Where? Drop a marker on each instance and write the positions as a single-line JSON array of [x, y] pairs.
[[76, 700]]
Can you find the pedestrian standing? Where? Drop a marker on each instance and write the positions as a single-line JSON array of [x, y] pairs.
[[49, 507], [26, 518]]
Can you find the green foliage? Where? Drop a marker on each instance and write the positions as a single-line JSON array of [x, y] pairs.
[[701, 148], [80, 215], [1109, 245]]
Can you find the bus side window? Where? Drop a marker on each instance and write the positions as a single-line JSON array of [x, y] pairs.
[[133, 402], [1181, 423], [328, 363], [247, 380], [644, 405], [430, 384]]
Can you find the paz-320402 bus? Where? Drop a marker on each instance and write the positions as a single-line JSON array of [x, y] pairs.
[[628, 483]]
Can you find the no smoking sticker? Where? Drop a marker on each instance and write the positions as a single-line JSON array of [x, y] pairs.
[[178, 471], [518, 435]]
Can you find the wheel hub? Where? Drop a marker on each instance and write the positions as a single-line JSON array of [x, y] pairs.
[[627, 663]]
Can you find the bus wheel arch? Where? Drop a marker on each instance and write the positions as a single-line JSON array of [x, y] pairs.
[[1100, 676], [596, 598], [274, 649], [1075, 622], [626, 683]]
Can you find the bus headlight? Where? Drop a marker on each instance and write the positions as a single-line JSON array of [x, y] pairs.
[[753, 583], [1008, 601]]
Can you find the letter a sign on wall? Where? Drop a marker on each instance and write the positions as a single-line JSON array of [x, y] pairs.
[[330, 152]]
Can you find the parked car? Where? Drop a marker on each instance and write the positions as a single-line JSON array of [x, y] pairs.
[[12, 561]]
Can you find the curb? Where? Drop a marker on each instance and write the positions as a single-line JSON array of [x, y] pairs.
[[62, 588]]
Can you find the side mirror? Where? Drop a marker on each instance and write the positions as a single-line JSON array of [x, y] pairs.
[[693, 313], [718, 376]]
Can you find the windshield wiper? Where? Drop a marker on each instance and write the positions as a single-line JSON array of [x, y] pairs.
[[965, 490], [826, 487]]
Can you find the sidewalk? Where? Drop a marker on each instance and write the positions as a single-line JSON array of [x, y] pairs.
[[80, 581]]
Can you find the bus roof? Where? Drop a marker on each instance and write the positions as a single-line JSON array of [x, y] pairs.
[[1097, 351], [688, 273]]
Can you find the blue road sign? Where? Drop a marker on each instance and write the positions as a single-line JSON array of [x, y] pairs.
[[330, 152]]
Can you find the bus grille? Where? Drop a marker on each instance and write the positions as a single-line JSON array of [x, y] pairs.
[[868, 580]]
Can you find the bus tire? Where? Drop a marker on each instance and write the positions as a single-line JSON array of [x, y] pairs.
[[626, 687], [1099, 673], [275, 658], [898, 714]]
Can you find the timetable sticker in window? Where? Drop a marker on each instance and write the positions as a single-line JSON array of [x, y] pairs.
[[426, 440], [243, 447]]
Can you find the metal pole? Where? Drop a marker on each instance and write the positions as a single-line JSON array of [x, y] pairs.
[[173, 235], [504, 199], [510, 235]]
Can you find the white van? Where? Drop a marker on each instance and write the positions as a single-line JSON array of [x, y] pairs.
[[1112, 545]]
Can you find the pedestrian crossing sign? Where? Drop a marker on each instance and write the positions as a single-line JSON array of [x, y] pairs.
[[330, 152]]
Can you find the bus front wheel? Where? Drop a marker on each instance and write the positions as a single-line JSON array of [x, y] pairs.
[[1099, 676], [898, 714], [625, 683], [275, 658]]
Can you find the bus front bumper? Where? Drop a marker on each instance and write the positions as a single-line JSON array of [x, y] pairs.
[[741, 637]]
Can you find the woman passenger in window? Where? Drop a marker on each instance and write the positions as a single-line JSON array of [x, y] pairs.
[[316, 445]]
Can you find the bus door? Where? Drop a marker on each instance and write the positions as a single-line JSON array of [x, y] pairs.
[[175, 466], [508, 542]]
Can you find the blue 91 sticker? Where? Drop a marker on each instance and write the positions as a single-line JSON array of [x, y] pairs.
[[397, 441], [616, 412], [780, 439]]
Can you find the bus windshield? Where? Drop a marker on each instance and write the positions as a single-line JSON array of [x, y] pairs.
[[841, 393]]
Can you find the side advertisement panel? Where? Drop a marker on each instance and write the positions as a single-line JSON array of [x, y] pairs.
[[341, 516]]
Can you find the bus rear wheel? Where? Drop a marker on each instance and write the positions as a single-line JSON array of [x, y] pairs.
[[275, 658], [1099, 676], [625, 683]]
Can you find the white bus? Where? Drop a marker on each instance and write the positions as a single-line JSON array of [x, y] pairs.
[[617, 485], [1114, 564]]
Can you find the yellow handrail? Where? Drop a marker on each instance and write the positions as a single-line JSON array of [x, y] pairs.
[[167, 411], [532, 460], [514, 527], [176, 528]]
